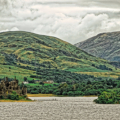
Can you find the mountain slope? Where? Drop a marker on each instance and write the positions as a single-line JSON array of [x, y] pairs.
[[104, 45], [22, 53]]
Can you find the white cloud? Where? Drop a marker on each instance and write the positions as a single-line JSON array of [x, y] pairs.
[[70, 20], [14, 29]]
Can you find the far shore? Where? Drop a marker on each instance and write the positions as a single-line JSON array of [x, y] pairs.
[[52, 95], [41, 95]]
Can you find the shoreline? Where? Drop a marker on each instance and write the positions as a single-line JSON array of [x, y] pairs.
[[52, 95], [43, 96], [16, 101]]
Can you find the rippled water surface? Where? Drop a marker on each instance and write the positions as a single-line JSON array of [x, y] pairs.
[[59, 108]]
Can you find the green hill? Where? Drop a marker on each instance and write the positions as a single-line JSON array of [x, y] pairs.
[[23, 53]]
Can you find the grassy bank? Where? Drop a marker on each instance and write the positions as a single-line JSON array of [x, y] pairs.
[[7, 100], [41, 95]]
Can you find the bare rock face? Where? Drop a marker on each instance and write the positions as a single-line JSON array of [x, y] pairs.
[[7, 87], [104, 45]]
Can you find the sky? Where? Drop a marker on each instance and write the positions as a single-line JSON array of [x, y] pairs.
[[70, 20]]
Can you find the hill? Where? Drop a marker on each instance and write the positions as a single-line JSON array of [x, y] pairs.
[[104, 45], [22, 54]]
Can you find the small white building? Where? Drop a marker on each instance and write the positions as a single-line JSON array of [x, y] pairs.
[[26, 82], [49, 81], [63, 82]]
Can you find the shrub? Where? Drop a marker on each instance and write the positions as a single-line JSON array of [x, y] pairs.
[[13, 96], [1, 97]]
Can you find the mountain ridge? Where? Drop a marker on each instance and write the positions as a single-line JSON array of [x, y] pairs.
[[103, 45]]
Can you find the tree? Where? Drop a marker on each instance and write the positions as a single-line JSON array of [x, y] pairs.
[[50, 90], [41, 83], [88, 82], [108, 98], [34, 92], [56, 92], [64, 93], [70, 93], [118, 85], [47, 92], [49, 67], [43, 91], [119, 78], [78, 93], [25, 78], [54, 59]]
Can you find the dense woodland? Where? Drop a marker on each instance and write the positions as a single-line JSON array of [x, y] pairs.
[[74, 89], [107, 90], [59, 76]]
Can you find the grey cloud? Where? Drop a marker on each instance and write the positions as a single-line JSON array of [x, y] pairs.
[[100, 3], [70, 20]]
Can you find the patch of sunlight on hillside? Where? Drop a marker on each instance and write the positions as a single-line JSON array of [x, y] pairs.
[[101, 74], [14, 71], [17, 52], [46, 47], [9, 51], [69, 64]]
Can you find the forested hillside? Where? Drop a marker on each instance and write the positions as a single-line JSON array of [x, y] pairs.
[[22, 54]]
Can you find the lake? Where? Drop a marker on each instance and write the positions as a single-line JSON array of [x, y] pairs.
[[59, 108]]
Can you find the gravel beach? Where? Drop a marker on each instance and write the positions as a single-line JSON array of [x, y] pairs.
[[59, 108]]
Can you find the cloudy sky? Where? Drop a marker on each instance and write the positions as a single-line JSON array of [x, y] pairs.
[[70, 20]]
